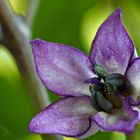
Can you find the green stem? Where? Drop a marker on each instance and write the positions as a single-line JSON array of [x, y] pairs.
[[135, 135]]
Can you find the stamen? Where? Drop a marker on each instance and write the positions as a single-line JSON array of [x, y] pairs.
[[105, 87], [94, 81], [99, 102], [113, 82], [99, 71], [115, 79], [109, 88], [94, 98]]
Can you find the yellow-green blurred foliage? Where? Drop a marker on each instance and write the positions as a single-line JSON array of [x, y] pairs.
[[72, 22]]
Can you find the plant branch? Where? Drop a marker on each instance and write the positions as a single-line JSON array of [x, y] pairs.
[[17, 42], [16, 37], [31, 11]]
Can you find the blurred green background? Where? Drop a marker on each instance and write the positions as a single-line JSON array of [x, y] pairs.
[[72, 22]]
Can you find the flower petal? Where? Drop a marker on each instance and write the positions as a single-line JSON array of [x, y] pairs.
[[69, 117], [121, 121], [62, 69], [91, 131], [112, 48], [133, 76]]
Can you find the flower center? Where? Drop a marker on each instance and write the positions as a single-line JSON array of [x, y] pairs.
[[106, 89]]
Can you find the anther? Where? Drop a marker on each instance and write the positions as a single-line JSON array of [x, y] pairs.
[[99, 102], [99, 71], [113, 82]]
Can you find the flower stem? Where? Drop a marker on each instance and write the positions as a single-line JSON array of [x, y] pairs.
[[135, 135], [16, 40]]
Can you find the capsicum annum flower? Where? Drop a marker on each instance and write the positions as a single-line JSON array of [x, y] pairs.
[[98, 92]]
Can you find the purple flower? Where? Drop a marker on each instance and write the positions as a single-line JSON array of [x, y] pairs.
[[98, 91]]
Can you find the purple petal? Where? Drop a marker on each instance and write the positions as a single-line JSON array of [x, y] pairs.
[[133, 76], [91, 131], [112, 48], [61, 68], [121, 121], [69, 117], [132, 102]]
